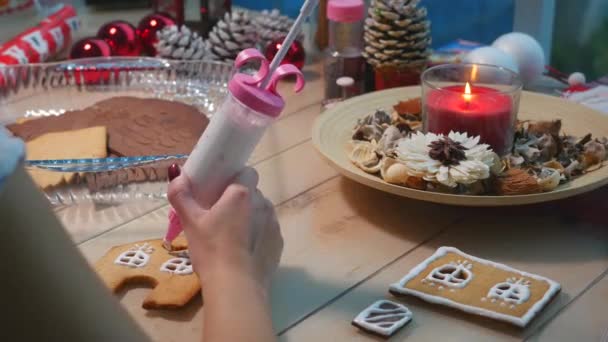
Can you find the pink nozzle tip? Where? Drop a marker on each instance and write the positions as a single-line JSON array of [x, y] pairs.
[[175, 226]]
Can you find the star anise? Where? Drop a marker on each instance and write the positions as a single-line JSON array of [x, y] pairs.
[[447, 151]]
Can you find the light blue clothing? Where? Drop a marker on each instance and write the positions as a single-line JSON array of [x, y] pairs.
[[12, 151]]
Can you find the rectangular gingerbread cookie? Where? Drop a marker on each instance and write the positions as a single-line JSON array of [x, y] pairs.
[[82, 143], [474, 285]]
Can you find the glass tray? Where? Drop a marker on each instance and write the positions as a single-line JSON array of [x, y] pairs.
[[36, 90]]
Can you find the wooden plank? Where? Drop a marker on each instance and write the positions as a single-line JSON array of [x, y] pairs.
[[583, 320], [333, 241], [533, 239], [293, 172]]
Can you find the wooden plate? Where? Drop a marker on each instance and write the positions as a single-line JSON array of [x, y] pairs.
[[332, 132]]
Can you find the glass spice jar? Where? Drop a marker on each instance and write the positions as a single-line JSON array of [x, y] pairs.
[[343, 57]]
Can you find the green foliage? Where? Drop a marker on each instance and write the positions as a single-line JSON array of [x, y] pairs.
[[590, 57]]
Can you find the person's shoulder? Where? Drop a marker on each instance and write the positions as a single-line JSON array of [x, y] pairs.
[[12, 151]]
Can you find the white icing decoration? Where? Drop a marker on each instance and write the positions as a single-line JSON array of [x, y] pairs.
[[383, 317], [511, 306], [503, 304], [431, 284], [423, 280], [483, 299], [181, 266], [136, 256], [455, 274], [452, 290], [440, 288], [493, 300], [399, 288], [512, 291]]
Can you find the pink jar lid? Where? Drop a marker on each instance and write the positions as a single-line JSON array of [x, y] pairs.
[[243, 88], [345, 11]]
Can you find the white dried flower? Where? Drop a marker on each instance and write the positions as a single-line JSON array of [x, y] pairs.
[[452, 160]]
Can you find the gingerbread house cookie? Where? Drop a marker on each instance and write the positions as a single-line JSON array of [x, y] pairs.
[[458, 280], [147, 262]]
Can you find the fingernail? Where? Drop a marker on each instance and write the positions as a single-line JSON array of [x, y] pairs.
[[174, 171]]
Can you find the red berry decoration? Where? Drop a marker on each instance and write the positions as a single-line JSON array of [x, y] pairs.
[[122, 38], [147, 28], [296, 54], [90, 47]]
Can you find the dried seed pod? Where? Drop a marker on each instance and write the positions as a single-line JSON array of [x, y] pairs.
[[539, 128], [516, 182], [549, 179], [593, 154]]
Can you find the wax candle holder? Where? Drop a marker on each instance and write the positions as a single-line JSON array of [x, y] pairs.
[[481, 100]]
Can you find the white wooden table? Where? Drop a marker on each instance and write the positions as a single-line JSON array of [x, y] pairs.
[[345, 243]]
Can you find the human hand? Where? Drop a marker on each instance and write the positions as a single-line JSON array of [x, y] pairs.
[[240, 233]]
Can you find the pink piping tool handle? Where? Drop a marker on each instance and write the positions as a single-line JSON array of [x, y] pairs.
[[282, 72], [249, 55]]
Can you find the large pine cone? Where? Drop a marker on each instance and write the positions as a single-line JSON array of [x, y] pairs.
[[180, 43], [234, 33], [271, 25], [397, 34]]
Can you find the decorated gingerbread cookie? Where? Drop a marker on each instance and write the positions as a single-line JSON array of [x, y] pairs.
[[455, 279], [147, 262], [383, 318]]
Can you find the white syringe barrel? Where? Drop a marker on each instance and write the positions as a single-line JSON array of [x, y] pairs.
[[224, 149]]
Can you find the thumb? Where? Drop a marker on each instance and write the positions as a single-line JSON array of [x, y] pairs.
[[182, 199]]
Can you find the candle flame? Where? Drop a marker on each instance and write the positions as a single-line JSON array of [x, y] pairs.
[[467, 93]]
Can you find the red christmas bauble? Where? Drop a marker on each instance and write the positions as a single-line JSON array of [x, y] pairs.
[[90, 47], [122, 38], [296, 54], [147, 28]]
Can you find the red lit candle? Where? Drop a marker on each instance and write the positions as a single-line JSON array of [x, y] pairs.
[[476, 110]]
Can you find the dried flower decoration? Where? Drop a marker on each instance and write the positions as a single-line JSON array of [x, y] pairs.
[[447, 151], [452, 160]]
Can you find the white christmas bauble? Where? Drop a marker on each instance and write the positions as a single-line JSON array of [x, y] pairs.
[[493, 56], [576, 78], [526, 51]]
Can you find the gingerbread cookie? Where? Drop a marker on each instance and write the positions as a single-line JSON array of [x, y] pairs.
[[171, 274], [383, 318], [82, 143], [458, 280]]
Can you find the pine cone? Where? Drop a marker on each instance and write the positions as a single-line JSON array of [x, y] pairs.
[[230, 36], [271, 25], [397, 34], [180, 43]]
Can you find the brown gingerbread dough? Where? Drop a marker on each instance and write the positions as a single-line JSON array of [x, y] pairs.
[[136, 126]]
